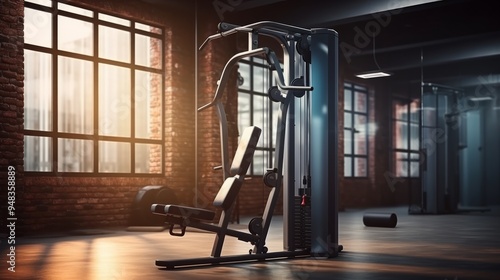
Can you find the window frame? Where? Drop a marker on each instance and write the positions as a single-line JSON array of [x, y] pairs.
[[96, 137], [409, 151], [355, 87], [269, 127]]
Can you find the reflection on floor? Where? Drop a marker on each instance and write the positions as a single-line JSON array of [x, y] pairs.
[[461, 246]]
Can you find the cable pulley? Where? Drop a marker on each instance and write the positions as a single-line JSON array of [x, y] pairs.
[[275, 94], [298, 92], [270, 178]]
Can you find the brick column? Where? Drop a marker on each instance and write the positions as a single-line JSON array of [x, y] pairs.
[[211, 61], [11, 97]]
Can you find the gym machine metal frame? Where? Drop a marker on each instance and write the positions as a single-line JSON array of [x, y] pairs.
[[315, 53]]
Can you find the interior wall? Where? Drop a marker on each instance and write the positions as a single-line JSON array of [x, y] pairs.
[[61, 202], [492, 153], [11, 101]]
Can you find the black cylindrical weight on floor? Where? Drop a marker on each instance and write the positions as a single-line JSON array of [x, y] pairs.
[[380, 220]]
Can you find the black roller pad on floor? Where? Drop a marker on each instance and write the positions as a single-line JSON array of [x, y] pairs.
[[380, 220]]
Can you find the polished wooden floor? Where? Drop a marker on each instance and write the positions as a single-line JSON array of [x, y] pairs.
[[459, 246]]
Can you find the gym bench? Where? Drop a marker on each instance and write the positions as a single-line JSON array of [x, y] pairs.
[[225, 200]]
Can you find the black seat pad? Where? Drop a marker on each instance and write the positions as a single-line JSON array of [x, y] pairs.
[[183, 211]]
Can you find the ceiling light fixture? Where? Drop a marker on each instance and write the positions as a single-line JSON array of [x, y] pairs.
[[377, 73], [373, 74], [482, 98]]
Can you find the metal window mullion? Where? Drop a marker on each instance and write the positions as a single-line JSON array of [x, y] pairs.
[[367, 139], [132, 100], [96, 93], [252, 172], [162, 98], [55, 81], [353, 165]]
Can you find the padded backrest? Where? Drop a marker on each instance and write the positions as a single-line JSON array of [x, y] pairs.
[[244, 153], [228, 192]]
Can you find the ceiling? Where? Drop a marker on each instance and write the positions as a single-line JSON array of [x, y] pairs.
[[450, 42]]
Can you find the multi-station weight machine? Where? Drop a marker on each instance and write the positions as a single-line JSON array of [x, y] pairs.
[[305, 169]]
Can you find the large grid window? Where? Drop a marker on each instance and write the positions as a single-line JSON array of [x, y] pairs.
[[406, 137], [93, 92], [255, 108], [355, 130]]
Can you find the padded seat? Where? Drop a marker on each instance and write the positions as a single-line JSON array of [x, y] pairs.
[[190, 216], [183, 211]]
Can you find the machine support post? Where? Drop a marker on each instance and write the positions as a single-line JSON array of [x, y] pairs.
[[324, 143]]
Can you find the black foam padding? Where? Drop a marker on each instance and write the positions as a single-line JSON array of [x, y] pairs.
[[227, 193], [380, 220], [244, 153], [183, 211]]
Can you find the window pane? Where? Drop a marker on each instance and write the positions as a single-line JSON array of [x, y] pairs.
[[414, 169], [37, 153], [259, 79], [244, 71], [243, 111], [360, 144], [75, 35], [347, 166], [75, 96], [113, 19], [401, 164], [148, 51], [75, 155], [347, 141], [347, 99], [114, 44], [149, 28], [274, 124], [414, 112], [37, 28], [47, 3], [360, 167], [414, 137], [348, 120], [75, 10], [401, 135], [37, 91], [258, 163], [114, 100], [148, 105], [148, 158], [114, 157], [261, 116], [360, 102], [400, 110]]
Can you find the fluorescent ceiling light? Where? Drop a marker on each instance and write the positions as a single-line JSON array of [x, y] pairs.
[[371, 75], [483, 98]]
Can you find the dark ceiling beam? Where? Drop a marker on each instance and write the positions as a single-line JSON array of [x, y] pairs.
[[316, 13], [432, 53]]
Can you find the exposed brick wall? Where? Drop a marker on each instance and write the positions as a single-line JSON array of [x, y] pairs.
[[11, 97], [211, 61], [69, 203], [61, 203], [180, 111]]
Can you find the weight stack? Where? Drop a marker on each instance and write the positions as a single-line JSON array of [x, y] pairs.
[[302, 223]]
